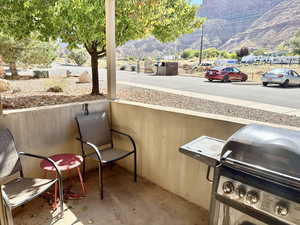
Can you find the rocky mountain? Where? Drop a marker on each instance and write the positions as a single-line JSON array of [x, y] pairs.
[[274, 27], [231, 24]]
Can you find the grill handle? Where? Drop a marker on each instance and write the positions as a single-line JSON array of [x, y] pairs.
[[208, 175], [260, 168]]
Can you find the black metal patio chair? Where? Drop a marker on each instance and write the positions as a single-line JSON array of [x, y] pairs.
[[95, 133], [18, 190]]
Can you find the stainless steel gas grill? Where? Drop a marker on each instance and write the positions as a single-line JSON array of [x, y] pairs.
[[256, 176]]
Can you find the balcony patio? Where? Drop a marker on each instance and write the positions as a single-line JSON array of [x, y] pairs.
[[171, 188], [125, 202]]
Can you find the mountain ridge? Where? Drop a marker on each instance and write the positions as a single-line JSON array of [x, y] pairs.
[[232, 24]]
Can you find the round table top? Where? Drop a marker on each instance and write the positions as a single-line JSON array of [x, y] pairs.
[[63, 161]]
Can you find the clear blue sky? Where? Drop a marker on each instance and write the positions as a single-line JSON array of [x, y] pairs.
[[197, 1]]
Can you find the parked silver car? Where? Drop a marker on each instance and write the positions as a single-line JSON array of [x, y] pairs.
[[283, 77]]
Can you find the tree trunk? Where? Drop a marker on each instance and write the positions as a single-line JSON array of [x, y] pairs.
[[95, 74], [13, 69]]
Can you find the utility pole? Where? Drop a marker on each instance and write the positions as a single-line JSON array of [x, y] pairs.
[[201, 45]]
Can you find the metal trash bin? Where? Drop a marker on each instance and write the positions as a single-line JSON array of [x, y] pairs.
[[168, 69]]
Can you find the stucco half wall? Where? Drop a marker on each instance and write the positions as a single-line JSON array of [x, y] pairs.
[[159, 132], [47, 131]]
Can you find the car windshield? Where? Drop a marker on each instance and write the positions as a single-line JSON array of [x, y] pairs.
[[279, 71], [217, 68]]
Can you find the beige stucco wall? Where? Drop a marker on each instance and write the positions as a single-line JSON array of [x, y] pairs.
[[46, 131], [159, 132]]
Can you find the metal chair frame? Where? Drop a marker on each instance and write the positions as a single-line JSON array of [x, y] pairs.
[[58, 179], [96, 149]]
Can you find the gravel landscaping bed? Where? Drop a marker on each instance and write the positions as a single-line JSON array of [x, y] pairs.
[[32, 93], [206, 106], [20, 102]]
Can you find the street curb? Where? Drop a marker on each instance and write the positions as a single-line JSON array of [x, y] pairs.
[[231, 101], [247, 83]]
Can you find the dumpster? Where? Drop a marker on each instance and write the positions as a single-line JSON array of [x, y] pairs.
[[167, 69]]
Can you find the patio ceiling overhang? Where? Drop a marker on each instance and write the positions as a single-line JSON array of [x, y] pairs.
[[111, 48]]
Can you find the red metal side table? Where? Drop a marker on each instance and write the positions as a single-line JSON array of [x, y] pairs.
[[65, 162]]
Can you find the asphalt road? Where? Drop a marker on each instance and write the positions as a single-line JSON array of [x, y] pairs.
[[287, 97]]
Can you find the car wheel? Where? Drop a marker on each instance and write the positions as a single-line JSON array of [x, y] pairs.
[[285, 84], [210, 80], [265, 84], [244, 80], [226, 79]]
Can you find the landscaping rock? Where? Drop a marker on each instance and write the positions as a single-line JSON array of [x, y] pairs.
[[85, 77], [55, 89], [2, 72], [69, 73], [4, 85], [16, 90]]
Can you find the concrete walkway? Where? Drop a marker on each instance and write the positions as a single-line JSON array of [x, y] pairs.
[[232, 101]]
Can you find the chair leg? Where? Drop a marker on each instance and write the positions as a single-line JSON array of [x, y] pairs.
[[135, 172], [61, 198], [10, 220], [83, 170], [81, 181], [101, 181]]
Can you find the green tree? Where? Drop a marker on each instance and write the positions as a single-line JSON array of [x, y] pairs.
[[39, 53], [28, 51], [79, 56], [189, 53], [244, 51], [232, 55], [295, 44], [82, 22], [211, 53]]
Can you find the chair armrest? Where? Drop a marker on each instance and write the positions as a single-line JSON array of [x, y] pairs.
[[92, 146], [4, 196], [44, 158], [128, 136]]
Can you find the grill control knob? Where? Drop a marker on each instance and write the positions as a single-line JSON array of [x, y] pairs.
[[252, 197], [228, 187], [281, 210], [241, 191]]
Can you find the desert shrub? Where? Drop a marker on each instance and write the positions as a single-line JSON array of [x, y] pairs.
[[123, 67], [55, 89], [57, 82]]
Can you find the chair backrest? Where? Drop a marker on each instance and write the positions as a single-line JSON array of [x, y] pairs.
[[9, 159], [94, 128]]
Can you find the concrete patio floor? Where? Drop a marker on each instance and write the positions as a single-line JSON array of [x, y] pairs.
[[125, 202]]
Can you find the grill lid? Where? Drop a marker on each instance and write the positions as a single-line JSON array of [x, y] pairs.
[[273, 150]]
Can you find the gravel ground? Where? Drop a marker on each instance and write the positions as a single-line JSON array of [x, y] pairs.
[[32, 93], [201, 105]]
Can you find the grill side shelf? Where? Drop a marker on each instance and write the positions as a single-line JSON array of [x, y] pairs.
[[205, 149]]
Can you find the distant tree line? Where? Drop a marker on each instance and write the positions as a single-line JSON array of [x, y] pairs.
[[209, 53]]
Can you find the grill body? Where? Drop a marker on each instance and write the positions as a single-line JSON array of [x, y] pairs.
[[256, 177]]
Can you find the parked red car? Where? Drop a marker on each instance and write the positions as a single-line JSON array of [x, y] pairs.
[[225, 74]]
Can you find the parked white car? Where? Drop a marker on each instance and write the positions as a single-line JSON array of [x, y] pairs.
[[283, 77]]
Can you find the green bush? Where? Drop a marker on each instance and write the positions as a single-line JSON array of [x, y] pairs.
[[79, 56]]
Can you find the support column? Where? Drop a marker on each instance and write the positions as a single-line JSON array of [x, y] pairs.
[[111, 48]]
